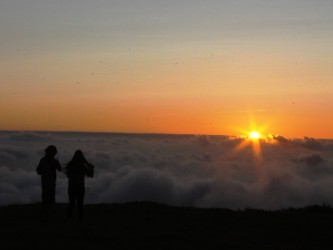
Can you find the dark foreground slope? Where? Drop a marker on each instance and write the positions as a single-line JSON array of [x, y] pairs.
[[154, 226]]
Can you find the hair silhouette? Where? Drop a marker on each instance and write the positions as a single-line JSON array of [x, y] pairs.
[[78, 158]]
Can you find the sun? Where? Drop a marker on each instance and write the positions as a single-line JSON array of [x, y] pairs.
[[254, 135]]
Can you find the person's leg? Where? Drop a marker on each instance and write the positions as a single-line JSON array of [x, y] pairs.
[[48, 198], [52, 189], [72, 201], [80, 203]]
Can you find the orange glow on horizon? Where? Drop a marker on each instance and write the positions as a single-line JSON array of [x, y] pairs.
[[161, 114]]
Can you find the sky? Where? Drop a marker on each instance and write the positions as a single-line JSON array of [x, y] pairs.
[[177, 66], [197, 171]]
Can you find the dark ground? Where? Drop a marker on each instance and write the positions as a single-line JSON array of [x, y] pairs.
[[154, 226]]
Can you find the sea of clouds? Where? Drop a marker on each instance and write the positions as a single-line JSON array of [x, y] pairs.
[[201, 171]]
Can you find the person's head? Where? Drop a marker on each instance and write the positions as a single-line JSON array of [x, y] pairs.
[[51, 151], [78, 156]]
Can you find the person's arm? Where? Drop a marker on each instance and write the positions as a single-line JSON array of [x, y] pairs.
[[58, 166], [89, 169]]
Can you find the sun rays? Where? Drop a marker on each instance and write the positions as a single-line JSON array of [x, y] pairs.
[[252, 141], [252, 138]]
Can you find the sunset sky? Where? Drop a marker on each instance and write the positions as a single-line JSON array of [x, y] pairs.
[[176, 66]]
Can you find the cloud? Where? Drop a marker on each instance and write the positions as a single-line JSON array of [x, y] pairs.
[[202, 171], [281, 139], [312, 143], [18, 186], [312, 160], [29, 137]]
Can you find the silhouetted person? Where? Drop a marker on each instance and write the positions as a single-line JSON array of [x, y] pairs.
[[77, 169], [47, 170]]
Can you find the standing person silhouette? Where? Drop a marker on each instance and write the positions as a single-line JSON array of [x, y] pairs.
[[47, 170], [77, 169]]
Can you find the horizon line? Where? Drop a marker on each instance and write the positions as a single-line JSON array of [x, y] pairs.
[[142, 133]]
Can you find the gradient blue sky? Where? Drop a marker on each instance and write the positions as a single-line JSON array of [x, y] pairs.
[[167, 66]]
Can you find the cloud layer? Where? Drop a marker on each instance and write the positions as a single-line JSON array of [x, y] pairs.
[[202, 171]]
